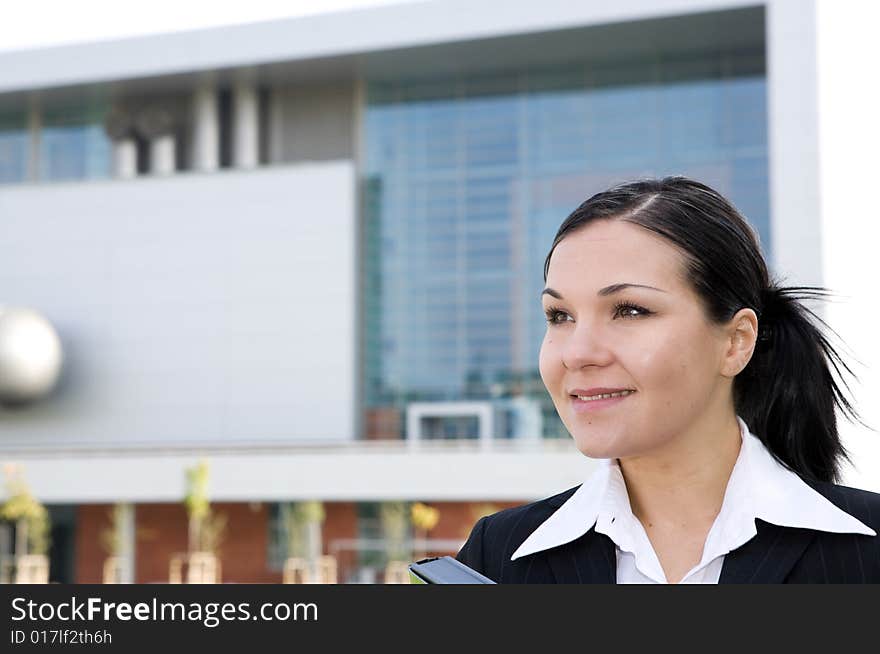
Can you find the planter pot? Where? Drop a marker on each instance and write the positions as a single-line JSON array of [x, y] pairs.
[[32, 569], [194, 568]]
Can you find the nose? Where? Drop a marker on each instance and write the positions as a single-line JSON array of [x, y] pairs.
[[585, 345]]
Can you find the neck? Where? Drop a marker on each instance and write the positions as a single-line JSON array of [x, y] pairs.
[[683, 483]]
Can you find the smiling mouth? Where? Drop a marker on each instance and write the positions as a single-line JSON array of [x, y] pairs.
[[603, 396]]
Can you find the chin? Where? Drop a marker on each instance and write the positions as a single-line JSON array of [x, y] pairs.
[[594, 447], [596, 453]]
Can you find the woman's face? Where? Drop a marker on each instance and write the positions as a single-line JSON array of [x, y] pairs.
[[607, 332]]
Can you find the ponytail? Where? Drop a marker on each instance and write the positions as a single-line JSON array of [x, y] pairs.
[[787, 394]]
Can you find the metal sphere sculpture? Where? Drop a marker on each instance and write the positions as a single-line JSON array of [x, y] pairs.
[[30, 356]]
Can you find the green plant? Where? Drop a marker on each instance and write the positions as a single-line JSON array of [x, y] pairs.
[[395, 519], [212, 532], [424, 517], [30, 517], [206, 528], [111, 536], [296, 520]]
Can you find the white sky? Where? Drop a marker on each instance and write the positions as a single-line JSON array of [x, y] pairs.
[[38, 23]]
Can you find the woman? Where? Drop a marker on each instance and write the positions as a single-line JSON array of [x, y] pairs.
[[706, 393]]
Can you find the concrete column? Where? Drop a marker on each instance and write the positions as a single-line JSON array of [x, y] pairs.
[[125, 158], [245, 125], [206, 128], [119, 125], [275, 126], [156, 124], [314, 547], [34, 127], [127, 546], [795, 230], [314, 542], [162, 155], [5, 553]]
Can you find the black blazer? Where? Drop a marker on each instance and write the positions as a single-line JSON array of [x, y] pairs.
[[775, 554]]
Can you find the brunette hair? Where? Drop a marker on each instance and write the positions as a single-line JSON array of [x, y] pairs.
[[787, 394]]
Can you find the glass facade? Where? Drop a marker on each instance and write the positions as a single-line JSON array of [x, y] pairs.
[[14, 144], [68, 142], [73, 144], [466, 181]]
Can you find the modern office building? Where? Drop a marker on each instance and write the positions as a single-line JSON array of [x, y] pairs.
[[310, 251]]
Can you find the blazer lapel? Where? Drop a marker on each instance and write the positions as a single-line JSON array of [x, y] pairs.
[[768, 557], [588, 560]]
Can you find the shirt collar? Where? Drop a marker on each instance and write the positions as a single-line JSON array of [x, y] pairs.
[[781, 497], [759, 487]]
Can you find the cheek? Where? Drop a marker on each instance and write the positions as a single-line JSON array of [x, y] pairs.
[[659, 366], [549, 363], [675, 365]]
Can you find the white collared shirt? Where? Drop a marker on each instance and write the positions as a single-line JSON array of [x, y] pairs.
[[759, 487]]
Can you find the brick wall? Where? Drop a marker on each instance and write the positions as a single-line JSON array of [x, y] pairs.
[[161, 531], [91, 521]]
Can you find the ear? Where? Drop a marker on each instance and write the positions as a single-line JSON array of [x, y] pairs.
[[741, 334]]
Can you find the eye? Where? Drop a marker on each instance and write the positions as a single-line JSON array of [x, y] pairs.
[[556, 316], [629, 310]]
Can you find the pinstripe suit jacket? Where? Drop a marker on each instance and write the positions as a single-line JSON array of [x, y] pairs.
[[774, 555]]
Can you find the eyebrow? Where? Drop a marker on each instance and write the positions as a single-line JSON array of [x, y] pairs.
[[608, 290]]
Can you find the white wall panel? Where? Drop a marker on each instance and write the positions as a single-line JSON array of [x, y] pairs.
[[376, 473], [194, 309]]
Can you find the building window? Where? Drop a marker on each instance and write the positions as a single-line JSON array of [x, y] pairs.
[[277, 541], [73, 144], [14, 147]]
